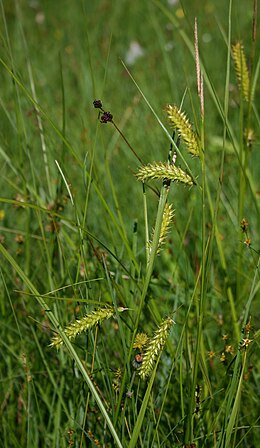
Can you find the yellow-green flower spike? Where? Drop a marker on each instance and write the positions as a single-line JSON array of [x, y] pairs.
[[241, 68], [84, 324], [141, 340], [181, 123], [154, 347], [168, 215], [163, 171]]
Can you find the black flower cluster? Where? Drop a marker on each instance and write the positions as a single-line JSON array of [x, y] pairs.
[[106, 116], [97, 104]]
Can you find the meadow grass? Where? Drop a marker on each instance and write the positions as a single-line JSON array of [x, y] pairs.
[[129, 226]]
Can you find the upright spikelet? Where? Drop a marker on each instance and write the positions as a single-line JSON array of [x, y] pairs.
[[241, 68], [154, 347], [168, 215], [84, 324], [163, 171], [180, 122]]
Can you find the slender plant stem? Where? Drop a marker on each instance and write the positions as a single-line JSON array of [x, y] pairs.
[[150, 265]]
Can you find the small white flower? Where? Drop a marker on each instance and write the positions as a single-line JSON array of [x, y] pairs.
[[134, 52]]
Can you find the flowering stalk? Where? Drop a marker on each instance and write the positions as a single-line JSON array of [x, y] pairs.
[[154, 347], [107, 117], [84, 324]]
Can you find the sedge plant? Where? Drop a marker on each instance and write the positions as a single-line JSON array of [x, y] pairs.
[[147, 334]]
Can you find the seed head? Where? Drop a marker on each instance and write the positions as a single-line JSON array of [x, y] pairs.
[[180, 122], [97, 104], [167, 220], [244, 225], [241, 68], [222, 357], [245, 342], [140, 340], [105, 117], [84, 324], [155, 347], [211, 354], [163, 171], [229, 349]]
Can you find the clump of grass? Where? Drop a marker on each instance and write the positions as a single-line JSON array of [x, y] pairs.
[[205, 393]]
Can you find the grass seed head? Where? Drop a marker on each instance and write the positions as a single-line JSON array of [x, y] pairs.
[[141, 340], [180, 122], [84, 324], [155, 347], [163, 171], [168, 215], [242, 72]]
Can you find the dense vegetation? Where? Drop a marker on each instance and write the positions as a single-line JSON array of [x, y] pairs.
[[129, 226]]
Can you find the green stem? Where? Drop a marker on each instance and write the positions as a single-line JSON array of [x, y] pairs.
[[146, 224], [140, 418], [150, 264], [149, 271], [189, 433]]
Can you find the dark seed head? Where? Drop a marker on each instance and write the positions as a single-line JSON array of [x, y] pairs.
[[244, 225], [97, 104], [105, 117]]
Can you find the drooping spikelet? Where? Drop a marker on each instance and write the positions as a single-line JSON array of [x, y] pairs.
[[241, 68], [155, 347], [163, 171], [168, 215], [84, 324], [180, 122]]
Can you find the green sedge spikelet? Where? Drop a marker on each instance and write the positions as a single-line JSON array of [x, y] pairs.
[[163, 171], [84, 324], [117, 379], [167, 219], [181, 123], [242, 72], [168, 215], [141, 340], [154, 347]]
